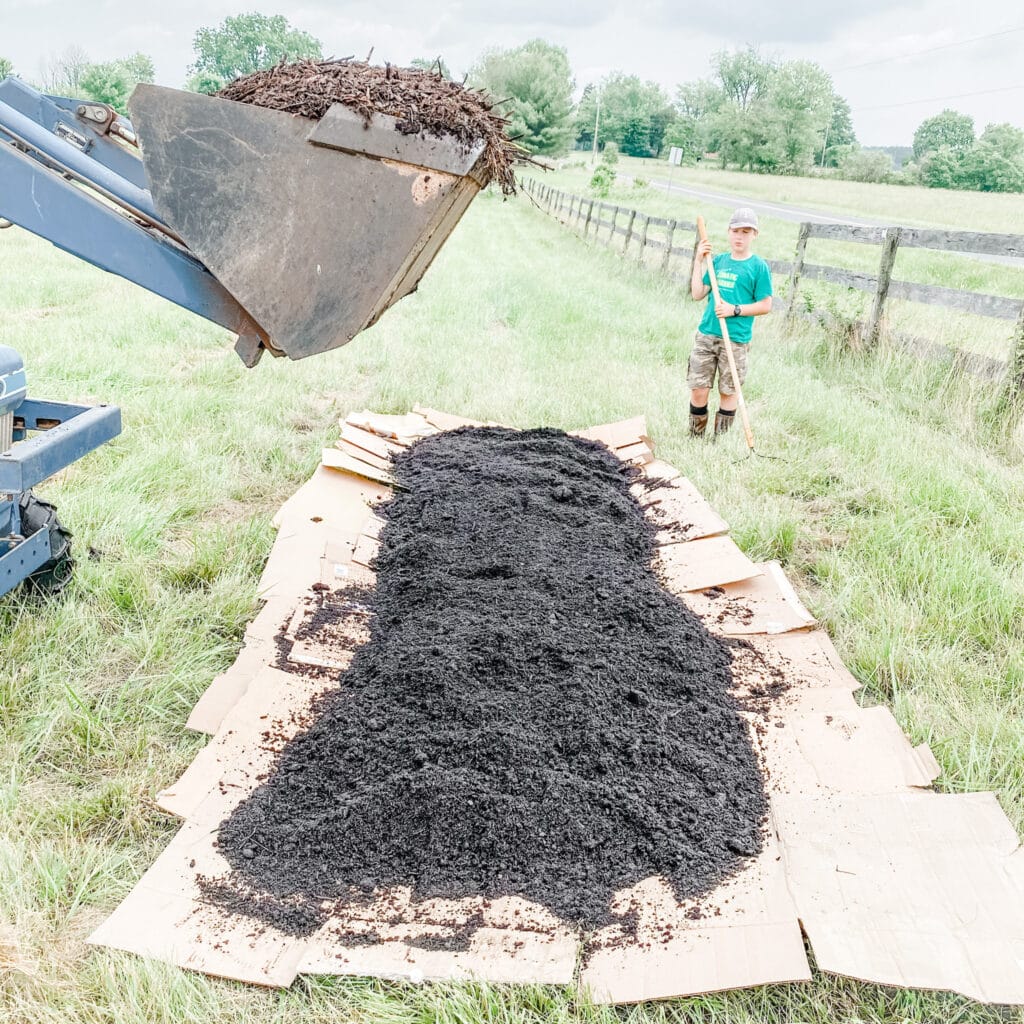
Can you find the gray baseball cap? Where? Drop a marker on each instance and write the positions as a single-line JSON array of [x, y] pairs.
[[744, 217]]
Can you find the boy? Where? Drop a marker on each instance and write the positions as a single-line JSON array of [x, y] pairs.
[[745, 284]]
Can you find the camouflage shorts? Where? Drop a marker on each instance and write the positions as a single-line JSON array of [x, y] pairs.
[[709, 357]]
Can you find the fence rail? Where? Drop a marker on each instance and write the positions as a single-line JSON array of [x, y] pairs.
[[588, 216]]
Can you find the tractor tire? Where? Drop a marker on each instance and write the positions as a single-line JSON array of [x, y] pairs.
[[54, 575]]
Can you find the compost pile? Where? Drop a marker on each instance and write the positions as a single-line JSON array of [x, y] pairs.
[[533, 713], [422, 101]]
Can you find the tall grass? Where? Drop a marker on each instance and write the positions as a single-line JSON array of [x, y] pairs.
[[895, 509]]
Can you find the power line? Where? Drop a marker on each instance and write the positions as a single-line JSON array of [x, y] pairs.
[[931, 49], [935, 99]]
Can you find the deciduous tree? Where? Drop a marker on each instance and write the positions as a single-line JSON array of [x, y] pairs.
[[535, 83], [949, 129], [62, 75], [995, 163], [247, 43], [634, 114], [6, 67], [839, 139], [112, 82], [743, 75]]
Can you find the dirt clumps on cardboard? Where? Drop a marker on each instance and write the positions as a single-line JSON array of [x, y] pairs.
[[533, 714], [421, 101]]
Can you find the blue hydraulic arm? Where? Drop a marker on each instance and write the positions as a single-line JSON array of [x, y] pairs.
[[63, 178]]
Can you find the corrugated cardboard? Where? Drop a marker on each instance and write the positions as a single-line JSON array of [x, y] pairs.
[[679, 510], [368, 441], [700, 564], [362, 455], [326, 514], [617, 435], [913, 889], [445, 420], [762, 604], [745, 933], [334, 458], [891, 883], [402, 429]]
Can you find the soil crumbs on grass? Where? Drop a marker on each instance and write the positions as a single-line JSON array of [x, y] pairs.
[[533, 714], [421, 101]]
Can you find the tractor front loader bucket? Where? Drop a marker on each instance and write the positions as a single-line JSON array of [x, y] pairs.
[[315, 227]]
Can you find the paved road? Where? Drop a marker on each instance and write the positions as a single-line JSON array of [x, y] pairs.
[[787, 211]]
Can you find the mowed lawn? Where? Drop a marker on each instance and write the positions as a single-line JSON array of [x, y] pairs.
[[894, 506]]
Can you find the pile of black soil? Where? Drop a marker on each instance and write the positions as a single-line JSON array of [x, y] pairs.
[[533, 713], [422, 101]]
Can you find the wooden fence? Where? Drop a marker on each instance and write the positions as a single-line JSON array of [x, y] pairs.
[[643, 234], [604, 222]]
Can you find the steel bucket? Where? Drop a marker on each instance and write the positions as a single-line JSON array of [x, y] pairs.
[[315, 227]]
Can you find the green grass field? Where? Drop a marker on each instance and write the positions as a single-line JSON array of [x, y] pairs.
[[895, 509]]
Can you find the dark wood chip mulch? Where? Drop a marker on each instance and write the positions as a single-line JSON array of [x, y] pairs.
[[422, 101]]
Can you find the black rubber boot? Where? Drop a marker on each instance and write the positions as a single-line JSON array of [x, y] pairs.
[[698, 424], [723, 422]]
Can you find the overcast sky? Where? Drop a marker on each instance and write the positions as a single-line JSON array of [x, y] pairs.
[[895, 61]]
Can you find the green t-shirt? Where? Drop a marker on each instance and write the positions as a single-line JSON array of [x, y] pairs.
[[740, 282]]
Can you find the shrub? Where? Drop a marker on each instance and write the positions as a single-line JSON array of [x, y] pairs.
[[602, 180]]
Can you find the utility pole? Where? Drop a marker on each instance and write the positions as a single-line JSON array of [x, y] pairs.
[[597, 125], [824, 144]]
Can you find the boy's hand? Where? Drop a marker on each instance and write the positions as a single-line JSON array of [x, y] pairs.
[[703, 249], [723, 310]]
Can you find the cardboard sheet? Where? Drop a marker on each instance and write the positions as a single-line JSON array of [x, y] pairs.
[[335, 458], [368, 441], [326, 629], [383, 464], [445, 420], [762, 604], [617, 435], [679, 510], [658, 470], [402, 429], [235, 757], [700, 564], [326, 514], [745, 933], [914, 889], [516, 941]]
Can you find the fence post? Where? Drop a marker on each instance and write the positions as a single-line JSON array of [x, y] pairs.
[[586, 226], [1013, 387], [629, 231], [668, 246], [643, 238], [798, 266], [693, 255], [889, 246], [615, 217]]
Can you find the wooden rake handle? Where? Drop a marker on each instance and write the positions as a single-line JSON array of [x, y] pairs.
[[702, 231]]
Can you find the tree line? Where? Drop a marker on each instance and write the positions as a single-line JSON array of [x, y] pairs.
[[754, 113]]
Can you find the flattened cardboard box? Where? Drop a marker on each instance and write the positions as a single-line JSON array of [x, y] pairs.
[[892, 884]]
